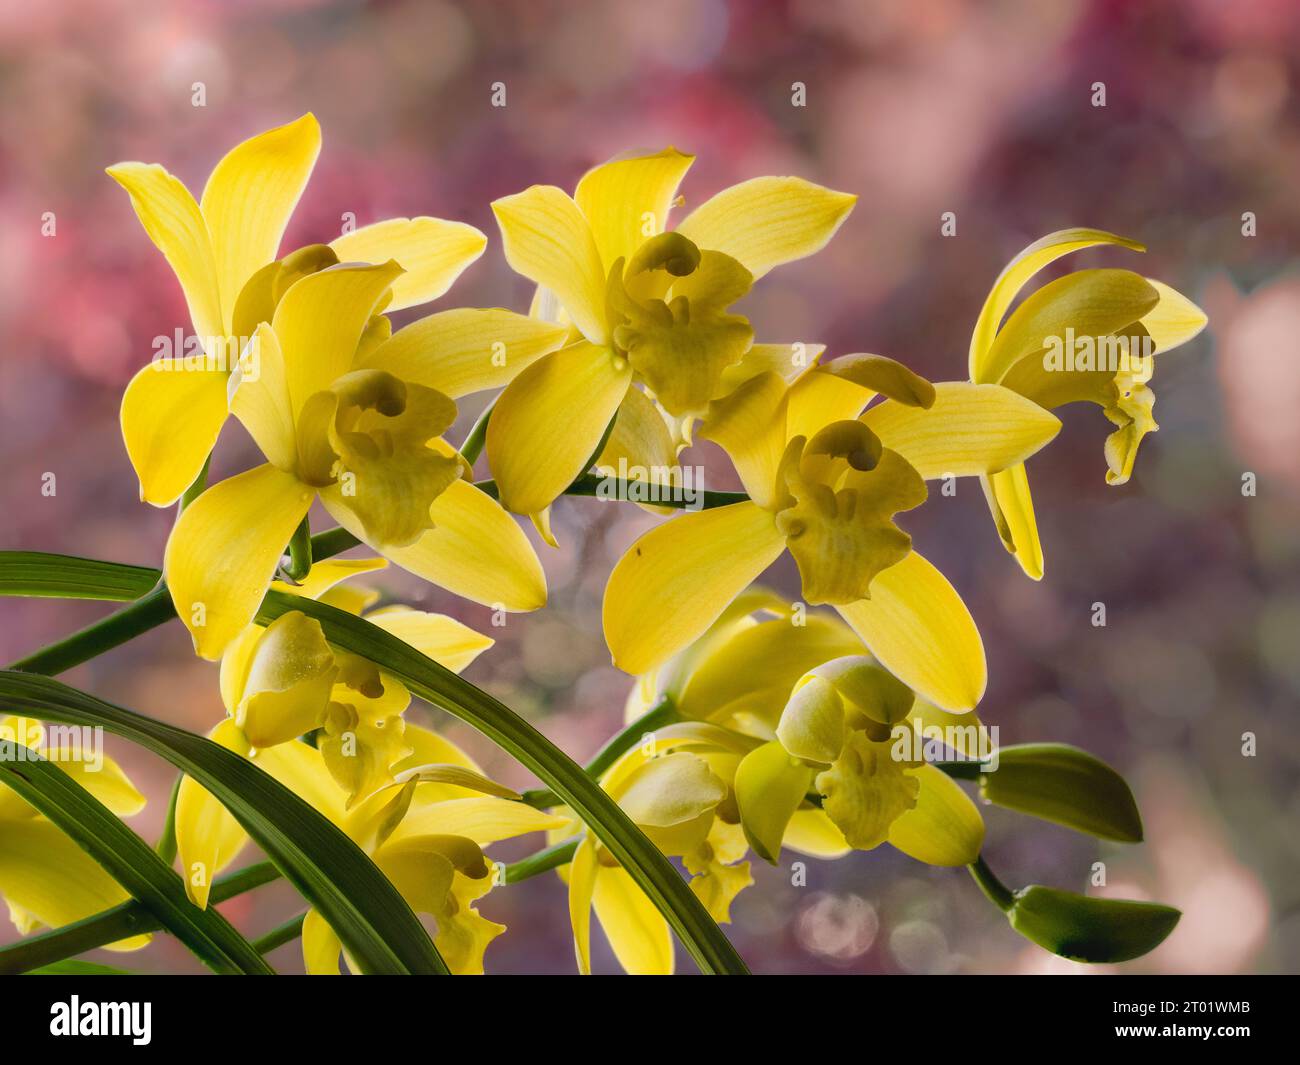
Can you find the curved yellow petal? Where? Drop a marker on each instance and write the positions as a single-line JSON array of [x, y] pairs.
[[1091, 303], [813, 833], [208, 838], [1028, 262], [640, 446], [749, 425], [67, 746], [329, 572], [641, 938], [583, 872], [429, 747], [787, 361], [171, 417], [484, 819], [432, 251], [447, 641], [321, 947], [303, 771], [1174, 320], [175, 224], [1007, 492], [249, 198], [768, 221], [917, 626], [475, 549], [970, 429], [944, 827], [549, 421], [320, 321], [626, 201], [547, 240], [770, 785], [466, 349], [669, 790], [224, 549], [673, 582], [259, 398], [48, 879]]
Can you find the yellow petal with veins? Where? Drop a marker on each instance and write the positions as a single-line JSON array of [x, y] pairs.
[[811, 832], [321, 947], [944, 827], [224, 549], [641, 938], [547, 240], [249, 198], [1092, 303], [320, 320], [674, 581], [171, 416], [208, 838], [768, 221], [475, 549], [1028, 262], [770, 785], [432, 252], [175, 224], [446, 640], [549, 421], [626, 201], [465, 350], [917, 626], [1174, 320], [583, 873], [1007, 492], [47, 879], [970, 430], [749, 425], [260, 400]]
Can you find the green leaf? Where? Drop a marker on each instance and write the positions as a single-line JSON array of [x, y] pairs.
[[34, 573], [1066, 785], [1088, 929], [374, 922], [77, 967], [131, 862], [646, 864]]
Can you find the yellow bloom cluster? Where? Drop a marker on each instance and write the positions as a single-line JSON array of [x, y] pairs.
[[782, 725]]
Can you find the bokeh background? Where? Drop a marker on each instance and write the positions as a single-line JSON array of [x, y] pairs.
[[923, 107]]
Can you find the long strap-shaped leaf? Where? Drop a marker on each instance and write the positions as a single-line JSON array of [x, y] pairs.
[[374, 922], [641, 858], [131, 862], [35, 573], [644, 861]]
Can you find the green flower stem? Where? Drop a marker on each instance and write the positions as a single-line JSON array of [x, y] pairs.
[[662, 713], [200, 483], [589, 484], [300, 551], [122, 921], [280, 935], [472, 448], [132, 919], [998, 893], [147, 612], [548, 858]]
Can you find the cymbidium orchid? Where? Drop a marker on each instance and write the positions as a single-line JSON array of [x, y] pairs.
[[1121, 319], [46, 879], [368, 771], [722, 780], [646, 307], [825, 480], [224, 251], [347, 414]]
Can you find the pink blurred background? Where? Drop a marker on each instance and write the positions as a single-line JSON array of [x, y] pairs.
[[919, 108]]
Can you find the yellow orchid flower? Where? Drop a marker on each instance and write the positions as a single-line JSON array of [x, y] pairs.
[[284, 680], [46, 879], [709, 788], [425, 835], [646, 306], [223, 250], [825, 479], [344, 415], [1088, 336]]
